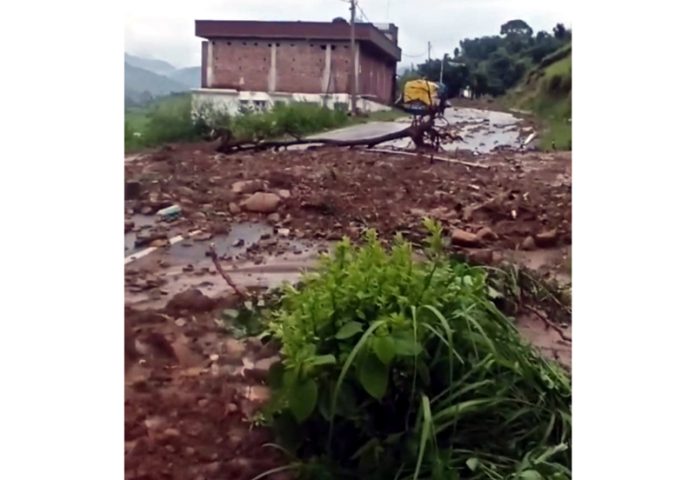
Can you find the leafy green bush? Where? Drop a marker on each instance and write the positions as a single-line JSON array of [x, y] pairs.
[[400, 369], [171, 122], [294, 119]]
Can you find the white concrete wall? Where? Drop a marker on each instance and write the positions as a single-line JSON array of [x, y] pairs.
[[230, 101]]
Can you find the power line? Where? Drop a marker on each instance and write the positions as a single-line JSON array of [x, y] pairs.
[[362, 12]]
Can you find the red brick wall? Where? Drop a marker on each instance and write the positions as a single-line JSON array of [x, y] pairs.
[[376, 76], [299, 67], [241, 64]]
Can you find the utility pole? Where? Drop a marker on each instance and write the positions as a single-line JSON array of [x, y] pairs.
[[442, 66], [428, 50], [353, 73]]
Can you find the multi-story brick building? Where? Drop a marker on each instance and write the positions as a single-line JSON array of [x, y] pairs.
[[250, 63]]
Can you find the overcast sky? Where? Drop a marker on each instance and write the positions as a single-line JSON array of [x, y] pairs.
[[164, 29]]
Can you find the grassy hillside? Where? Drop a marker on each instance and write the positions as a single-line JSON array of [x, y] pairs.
[[547, 92]]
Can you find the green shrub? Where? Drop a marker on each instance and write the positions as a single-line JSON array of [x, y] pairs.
[[398, 369], [171, 122], [294, 119]]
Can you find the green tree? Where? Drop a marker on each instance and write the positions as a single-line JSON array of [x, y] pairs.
[[516, 27], [560, 31]]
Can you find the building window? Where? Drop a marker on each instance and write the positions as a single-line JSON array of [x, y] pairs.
[[323, 47], [333, 47], [277, 44], [256, 44], [244, 43], [228, 44]]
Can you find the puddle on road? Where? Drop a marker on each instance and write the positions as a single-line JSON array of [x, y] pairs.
[[481, 130], [141, 222], [272, 273], [237, 241], [185, 265]]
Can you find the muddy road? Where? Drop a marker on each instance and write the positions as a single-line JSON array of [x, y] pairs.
[[192, 388]]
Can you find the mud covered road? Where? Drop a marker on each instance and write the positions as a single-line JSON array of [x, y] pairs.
[[192, 389]]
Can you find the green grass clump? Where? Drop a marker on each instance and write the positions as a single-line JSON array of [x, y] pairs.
[[293, 119], [396, 369], [166, 121], [169, 120]]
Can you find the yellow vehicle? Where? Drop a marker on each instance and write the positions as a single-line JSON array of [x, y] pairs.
[[420, 96]]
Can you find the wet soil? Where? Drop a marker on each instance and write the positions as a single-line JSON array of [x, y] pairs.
[[191, 388]]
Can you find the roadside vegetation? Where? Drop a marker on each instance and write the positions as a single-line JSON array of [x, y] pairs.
[[492, 65], [169, 120], [547, 92], [393, 368], [528, 70]]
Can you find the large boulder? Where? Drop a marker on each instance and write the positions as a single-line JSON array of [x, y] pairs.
[[465, 239], [262, 202], [247, 186]]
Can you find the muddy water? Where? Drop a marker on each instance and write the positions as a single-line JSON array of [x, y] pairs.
[[141, 222], [481, 130], [232, 244], [244, 256]]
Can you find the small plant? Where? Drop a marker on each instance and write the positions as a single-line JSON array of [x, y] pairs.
[[397, 369]]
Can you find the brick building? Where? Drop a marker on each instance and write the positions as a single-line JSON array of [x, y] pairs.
[[256, 63]]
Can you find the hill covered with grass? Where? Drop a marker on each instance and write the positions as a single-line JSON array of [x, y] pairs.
[[547, 92]]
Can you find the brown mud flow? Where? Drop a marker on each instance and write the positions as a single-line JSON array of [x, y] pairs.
[[193, 389]]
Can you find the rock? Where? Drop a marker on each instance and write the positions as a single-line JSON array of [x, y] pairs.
[[132, 190], [284, 194], [198, 216], [260, 369], [468, 213], [265, 236], [238, 243], [480, 256], [146, 210], [192, 299], [284, 232], [274, 217], [234, 348], [486, 234], [262, 202], [465, 239], [201, 237], [247, 186], [233, 208], [160, 242], [129, 225], [528, 243], [546, 238]]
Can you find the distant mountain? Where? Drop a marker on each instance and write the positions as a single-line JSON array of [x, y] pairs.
[[140, 80], [191, 76], [153, 65], [147, 79]]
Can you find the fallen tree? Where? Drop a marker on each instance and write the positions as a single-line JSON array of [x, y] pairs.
[[422, 131]]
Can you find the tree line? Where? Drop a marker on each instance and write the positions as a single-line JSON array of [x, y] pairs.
[[491, 65]]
